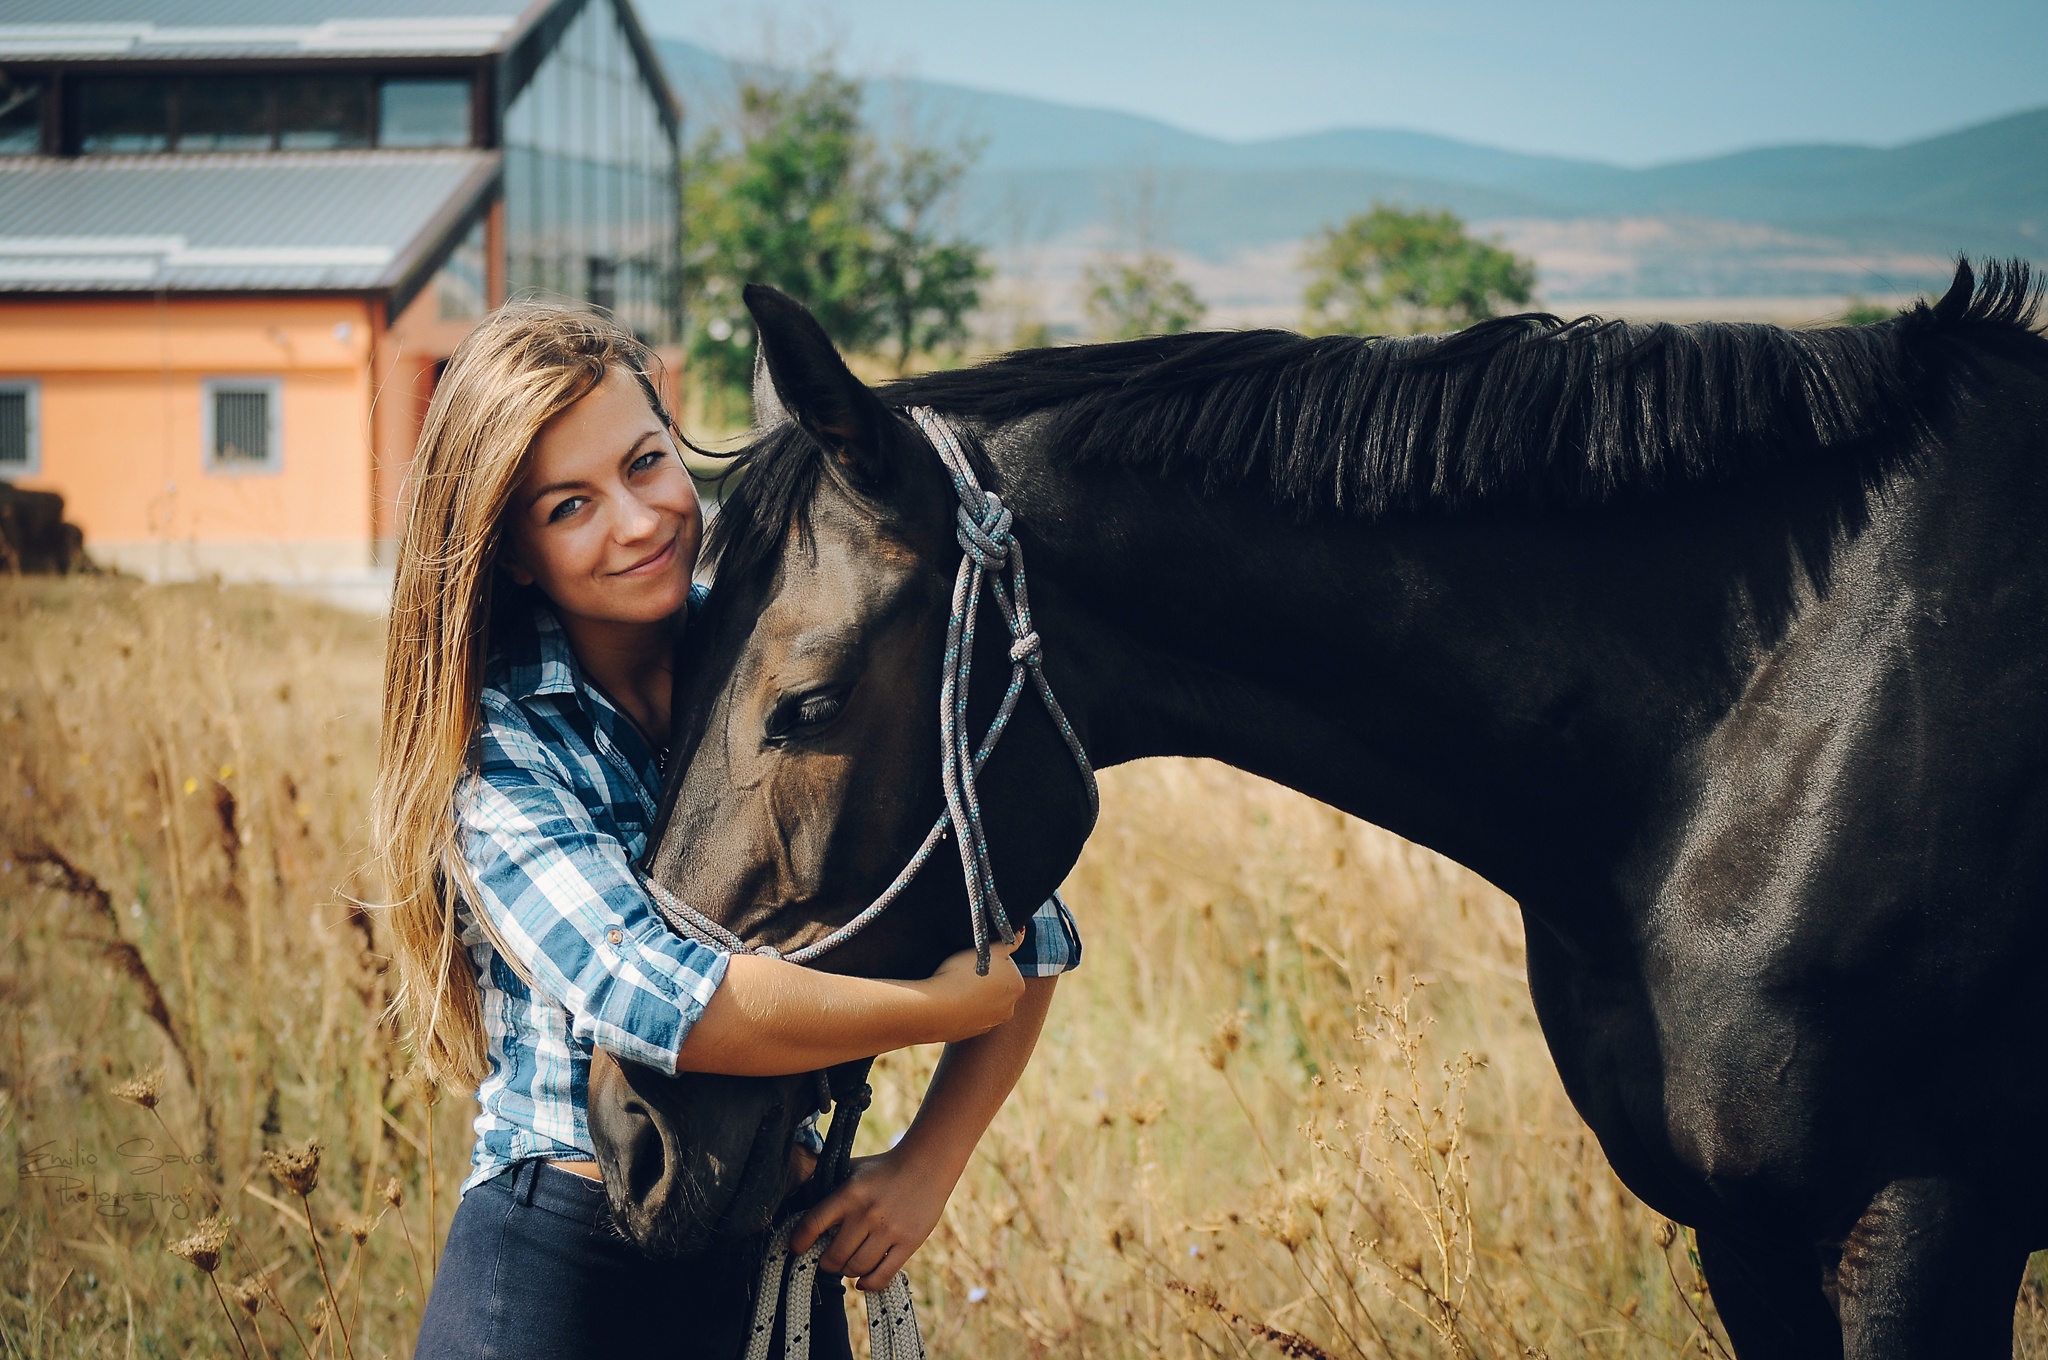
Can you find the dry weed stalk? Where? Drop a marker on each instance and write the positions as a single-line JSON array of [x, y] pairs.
[[1288, 1344], [248, 1296], [202, 1250], [297, 1169], [394, 1196]]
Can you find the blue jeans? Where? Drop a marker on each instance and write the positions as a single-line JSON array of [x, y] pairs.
[[534, 1269]]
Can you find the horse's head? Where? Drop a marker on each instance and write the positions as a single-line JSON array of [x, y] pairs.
[[807, 765]]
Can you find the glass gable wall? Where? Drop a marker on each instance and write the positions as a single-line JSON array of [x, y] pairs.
[[590, 181]]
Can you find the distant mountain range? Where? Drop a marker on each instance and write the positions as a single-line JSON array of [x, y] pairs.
[[1798, 218]]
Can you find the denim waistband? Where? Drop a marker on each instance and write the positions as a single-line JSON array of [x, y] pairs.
[[546, 1186]]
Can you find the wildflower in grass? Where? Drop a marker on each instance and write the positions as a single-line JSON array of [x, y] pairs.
[[297, 1169], [202, 1248], [248, 1295], [144, 1089], [394, 1195]]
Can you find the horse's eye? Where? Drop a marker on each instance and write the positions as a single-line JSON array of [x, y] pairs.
[[804, 715]]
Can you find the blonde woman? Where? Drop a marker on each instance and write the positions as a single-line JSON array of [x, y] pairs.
[[543, 585]]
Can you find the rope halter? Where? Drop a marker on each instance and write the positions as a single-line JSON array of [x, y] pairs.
[[991, 558]]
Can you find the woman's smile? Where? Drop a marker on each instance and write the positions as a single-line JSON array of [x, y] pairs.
[[654, 562]]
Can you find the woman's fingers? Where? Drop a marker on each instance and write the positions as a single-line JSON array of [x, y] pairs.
[[853, 1238], [827, 1212], [876, 1281], [868, 1259]]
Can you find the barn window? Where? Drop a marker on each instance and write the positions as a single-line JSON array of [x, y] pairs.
[[424, 113], [20, 443], [242, 425]]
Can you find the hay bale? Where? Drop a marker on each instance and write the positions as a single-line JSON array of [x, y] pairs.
[[34, 537]]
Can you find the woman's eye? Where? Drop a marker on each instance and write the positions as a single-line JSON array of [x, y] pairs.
[[649, 459], [565, 509]]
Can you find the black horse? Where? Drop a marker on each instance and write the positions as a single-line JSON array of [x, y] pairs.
[[1721, 648]]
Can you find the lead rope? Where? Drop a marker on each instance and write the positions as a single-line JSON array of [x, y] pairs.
[[786, 1284], [987, 552]]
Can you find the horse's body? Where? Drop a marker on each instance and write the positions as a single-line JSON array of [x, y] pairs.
[[1722, 651]]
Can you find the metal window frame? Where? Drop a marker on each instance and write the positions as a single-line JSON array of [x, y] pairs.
[[273, 460], [32, 388]]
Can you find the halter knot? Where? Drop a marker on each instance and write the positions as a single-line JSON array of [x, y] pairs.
[[1026, 651], [985, 537]]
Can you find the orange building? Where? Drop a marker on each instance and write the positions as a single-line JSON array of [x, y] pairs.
[[234, 255]]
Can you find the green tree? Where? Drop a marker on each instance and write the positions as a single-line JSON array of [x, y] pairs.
[[1393, 272], [926, 283], [1144, 295], [1861, 313], [803, 197]]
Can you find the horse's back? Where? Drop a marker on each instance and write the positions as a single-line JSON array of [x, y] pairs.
[[1850, 937]]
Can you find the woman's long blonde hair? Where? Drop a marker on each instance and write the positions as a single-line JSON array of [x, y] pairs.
[[526, 363]]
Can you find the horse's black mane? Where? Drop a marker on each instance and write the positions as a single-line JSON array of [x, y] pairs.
[[1527, 406]]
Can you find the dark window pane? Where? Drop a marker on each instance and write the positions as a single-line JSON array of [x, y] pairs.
[[224, 113], [424, 113], [21, 130], [124, 115], [603, 283], [13, 428], [241, 426], [323, 113]]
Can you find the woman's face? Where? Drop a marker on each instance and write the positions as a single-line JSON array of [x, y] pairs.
[[605, 518]]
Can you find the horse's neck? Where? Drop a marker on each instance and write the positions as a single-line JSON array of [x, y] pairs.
[[1498, 686]]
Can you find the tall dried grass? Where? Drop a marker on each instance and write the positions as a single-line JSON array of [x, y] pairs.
[[1294, 1102], [184, 781]]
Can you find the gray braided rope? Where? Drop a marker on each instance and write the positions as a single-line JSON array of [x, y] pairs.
[[892, 1316], [987, 552]]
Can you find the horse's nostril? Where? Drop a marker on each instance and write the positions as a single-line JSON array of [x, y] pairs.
[[646, 1165]]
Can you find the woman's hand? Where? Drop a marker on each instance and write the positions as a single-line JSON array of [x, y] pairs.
[[890, 1204], [973, 1005], [885, 1210]]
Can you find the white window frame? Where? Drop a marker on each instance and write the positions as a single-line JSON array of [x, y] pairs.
[[273, 459], [32, 388]]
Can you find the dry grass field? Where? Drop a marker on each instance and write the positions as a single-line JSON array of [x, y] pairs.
[[1294, 1103]]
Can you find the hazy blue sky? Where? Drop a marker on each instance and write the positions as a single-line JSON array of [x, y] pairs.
[[1635, 81]]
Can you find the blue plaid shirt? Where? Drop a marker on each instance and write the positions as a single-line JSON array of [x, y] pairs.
[[559, 807]]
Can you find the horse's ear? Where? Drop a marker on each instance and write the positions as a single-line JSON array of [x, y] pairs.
[[813, 386], [769, 411]]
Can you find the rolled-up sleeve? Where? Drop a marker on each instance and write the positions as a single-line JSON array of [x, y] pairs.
[[562, 899], [1051, 943]]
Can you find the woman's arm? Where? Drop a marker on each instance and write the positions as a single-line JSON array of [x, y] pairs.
[[559, 898], [769, 1017], [891, 1203]]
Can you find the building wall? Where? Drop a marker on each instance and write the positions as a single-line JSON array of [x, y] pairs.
[[590, 181], [122, 416]]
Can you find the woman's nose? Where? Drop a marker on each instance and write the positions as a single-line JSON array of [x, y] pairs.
[[637, 519]]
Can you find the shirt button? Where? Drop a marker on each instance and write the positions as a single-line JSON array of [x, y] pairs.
[[615, 935]]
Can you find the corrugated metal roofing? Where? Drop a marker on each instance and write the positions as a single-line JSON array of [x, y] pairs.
[[333, 221], [130, 30]]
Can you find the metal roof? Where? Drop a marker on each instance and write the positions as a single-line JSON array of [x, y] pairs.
[[339, 221], [140, 30]]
